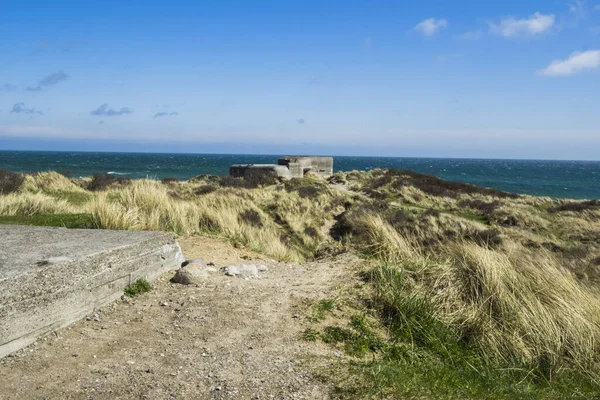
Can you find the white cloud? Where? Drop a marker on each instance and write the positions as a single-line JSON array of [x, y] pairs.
[[597, 8], [536, 24], [431, 26], [576, 62]]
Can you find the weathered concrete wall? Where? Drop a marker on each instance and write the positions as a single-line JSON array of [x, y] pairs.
[[287, 167], [51, 277], [320, 166]]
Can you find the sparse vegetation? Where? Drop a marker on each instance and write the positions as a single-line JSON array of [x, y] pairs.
[[479, 292], [138, 287], [319, 309], [169, 179]]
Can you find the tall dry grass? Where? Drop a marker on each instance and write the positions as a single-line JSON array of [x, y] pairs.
[[50, 182], [27, 204], [517, 309], [149, 205], [516, 306]]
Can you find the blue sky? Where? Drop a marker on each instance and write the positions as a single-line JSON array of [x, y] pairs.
[[510, 79]]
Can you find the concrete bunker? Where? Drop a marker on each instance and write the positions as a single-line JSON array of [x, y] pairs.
[[287, 167], [51, 277]]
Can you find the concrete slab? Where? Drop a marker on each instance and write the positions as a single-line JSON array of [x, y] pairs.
[[51, 277]]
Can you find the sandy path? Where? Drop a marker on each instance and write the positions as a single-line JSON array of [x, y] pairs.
[[229, 338]]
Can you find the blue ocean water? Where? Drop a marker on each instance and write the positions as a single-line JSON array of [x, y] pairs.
[[568, 179]]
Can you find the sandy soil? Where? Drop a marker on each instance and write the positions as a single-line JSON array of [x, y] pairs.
[[226, 338]]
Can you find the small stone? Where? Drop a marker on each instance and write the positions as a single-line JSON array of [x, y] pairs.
[[244, 271], [193, 273], [211, 264], [262, 268], [163, 304], [199, 261]]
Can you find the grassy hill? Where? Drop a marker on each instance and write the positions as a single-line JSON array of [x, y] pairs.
[[467, 292]]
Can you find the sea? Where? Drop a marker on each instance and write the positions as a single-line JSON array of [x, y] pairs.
[[556, 179]]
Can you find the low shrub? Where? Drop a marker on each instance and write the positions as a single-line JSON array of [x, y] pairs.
[[486, 207], [577, 206], [306, 188], [169, 179], [252, 181], [104, 181], [138, 287], [250, 217], [10, 181], [432, 185], [205, 189]]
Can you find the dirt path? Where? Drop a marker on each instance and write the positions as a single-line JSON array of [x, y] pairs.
[[228, 338]]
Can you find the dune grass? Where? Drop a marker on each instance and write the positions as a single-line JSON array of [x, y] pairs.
[[478, 293], [79, 221]]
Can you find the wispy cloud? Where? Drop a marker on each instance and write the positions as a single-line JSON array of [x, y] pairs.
[[534, 25], [8, 87], [431, 26], [577, 62], [578, 9], [165, 114], [21, 108], [110, 112], [49, 80], [471, 35], [597, 7]]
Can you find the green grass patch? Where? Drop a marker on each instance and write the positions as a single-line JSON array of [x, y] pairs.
[[82, 221], [320, 308], [358, 339], [421, 357], [310, 335], [138, 287], [75, 198], [472, 217]]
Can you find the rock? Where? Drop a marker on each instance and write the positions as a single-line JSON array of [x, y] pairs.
[[193, 261], [211, 264], [193, 273], [95, 318], [262, 268], [241, 271]]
